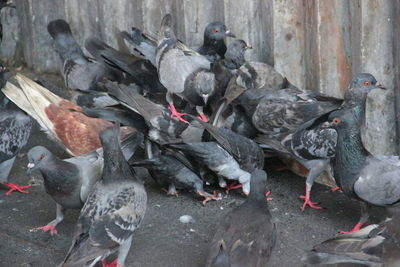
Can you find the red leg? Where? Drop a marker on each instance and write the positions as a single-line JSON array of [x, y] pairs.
[[208, 197], [203, 118], [334, 189], [355, 229], [112, 264], [234, 185], [267, 196], [176, 114], [308, 202], [49, 227], [19, 188]]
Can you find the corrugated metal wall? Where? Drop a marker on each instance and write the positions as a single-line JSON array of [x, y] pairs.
[[316, 44]]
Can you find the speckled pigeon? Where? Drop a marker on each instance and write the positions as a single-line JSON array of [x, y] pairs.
[[246, 235], [69, 181], [112, 212]]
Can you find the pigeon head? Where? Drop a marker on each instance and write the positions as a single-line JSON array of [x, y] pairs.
[[216, 31], [204, 84], [258, 184], [234, 55], [361, 85], [6, 3], [38, 156], [222, 259], [342, 119]]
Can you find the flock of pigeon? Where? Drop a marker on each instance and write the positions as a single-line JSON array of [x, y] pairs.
[[157, 99]]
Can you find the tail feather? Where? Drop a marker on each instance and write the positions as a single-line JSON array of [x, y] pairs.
[[144, 46]]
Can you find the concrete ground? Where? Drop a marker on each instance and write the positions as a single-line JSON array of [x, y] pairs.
[[162, 239]]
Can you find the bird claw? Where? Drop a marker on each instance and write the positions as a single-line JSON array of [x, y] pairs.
[[311, 204], [19, 188], [203, 118], [334, 189], [176, 114], [208, 197], [49, 227], [356, 228], [171, 193], [267, 196], [112, 264]]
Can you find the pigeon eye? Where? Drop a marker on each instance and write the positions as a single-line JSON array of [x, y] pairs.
[[215, 30], [41, 157], [336, 121], [367, 83]]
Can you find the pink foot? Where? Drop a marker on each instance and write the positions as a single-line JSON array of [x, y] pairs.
[[49, 227], [176, 114], [355, 229], [19, 188], [234, 185], [308, 202], [334, 189], [203, 118], [267, 196], [112, 264]]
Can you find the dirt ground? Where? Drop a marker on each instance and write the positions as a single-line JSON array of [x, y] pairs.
[[162, 240]]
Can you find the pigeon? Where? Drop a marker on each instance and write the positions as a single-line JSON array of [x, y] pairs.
[[61, 119], [185, 73], [246, 236], [253, 76], [70, 181], [113, 211], [313, 140], [224, 69], [142, 72], [214, 46], [162, 129], [374, 245], [374, 180], [170, 173], [15, 129], [217, 159], [79, 71]]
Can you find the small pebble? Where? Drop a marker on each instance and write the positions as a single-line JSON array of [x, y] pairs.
[[186, 219]]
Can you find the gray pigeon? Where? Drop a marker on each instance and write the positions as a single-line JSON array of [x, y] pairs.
[[374, 245], [217, 159], [70, 181], [15, 128], [183, 72], [246, 235], [170, 173], [113, 211], [79, 72]]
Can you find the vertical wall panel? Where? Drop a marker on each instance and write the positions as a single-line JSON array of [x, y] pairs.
[[317, 44]]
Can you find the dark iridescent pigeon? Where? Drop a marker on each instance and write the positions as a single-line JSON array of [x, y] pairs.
[[113, 211], [372, 179], [246, 235]]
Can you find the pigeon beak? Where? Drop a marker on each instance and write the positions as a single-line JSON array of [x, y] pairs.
[[379, 85], [30, 166], [248, 46], [205, 98], [229, 34]]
